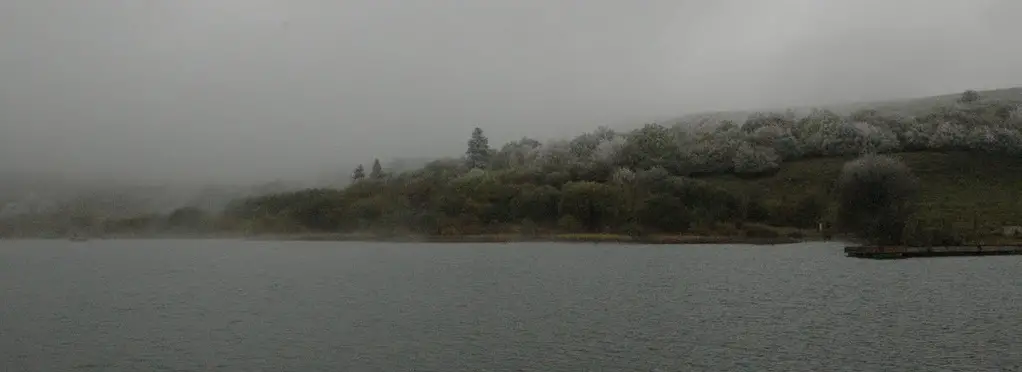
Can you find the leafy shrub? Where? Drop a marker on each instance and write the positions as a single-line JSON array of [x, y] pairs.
[[875, 198]]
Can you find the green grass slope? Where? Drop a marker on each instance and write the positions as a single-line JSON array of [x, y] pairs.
[[957, 187]]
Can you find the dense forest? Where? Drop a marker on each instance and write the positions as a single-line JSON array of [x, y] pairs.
[[773, 174]]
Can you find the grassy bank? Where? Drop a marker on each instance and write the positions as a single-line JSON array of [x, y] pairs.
[[517, 238], [964, 189]]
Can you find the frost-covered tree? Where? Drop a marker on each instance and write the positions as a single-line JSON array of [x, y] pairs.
[[969, 115], [768, 119], [554, 155], [727, 126], [472, 174], [880, 120], [814, 122], [583, 146], [650, 146], [1014, 119], [846, 138], [603, 133], [915, 137], [981, 139], [947, 135], [781, 140], [755, 159], [878, 139], [515, 154], [478, 152], [609, 150], [687, 135], [586, 147], [764, 140], [715, 153], [1007, 140]]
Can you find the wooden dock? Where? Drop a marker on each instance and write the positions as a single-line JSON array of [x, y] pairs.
[[880, 252]]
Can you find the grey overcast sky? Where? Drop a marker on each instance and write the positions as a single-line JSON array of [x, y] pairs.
[[238, 90]]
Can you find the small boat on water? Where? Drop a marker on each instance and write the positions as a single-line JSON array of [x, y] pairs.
[[77, 238]]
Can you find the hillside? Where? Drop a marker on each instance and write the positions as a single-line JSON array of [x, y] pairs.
[[767, 176], [954, 186], [969, 194], [770, 174]]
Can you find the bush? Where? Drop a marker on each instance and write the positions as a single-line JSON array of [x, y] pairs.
[[969, 96], [875, 198]]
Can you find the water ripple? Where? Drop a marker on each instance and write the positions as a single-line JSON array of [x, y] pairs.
[[247, 306]]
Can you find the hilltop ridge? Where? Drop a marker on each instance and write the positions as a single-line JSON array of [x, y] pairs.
[[906, 106]]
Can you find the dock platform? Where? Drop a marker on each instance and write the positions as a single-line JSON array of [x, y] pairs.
[[881, 252]]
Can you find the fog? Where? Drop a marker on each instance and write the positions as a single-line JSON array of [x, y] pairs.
[[213, 91]]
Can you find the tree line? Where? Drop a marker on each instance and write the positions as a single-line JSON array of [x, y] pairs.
[[651, 180]]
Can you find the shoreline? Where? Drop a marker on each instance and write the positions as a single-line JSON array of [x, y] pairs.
[[897, 252], [546, 238], [453, 239]]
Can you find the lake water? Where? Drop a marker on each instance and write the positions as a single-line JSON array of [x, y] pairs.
[[322, 306]]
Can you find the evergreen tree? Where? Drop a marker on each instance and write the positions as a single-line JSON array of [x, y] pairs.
[[359, 173], [377, 170], [478, 153]]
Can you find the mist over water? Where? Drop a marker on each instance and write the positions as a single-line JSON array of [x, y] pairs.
[[254, 90]]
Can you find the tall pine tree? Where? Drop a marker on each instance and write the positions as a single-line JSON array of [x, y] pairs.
[[359, 173], [478, 153], [377, 170]]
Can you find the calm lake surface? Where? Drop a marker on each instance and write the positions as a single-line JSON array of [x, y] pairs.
[[176, 305]]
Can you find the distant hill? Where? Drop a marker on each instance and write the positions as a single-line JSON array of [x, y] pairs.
[[39, 196]]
